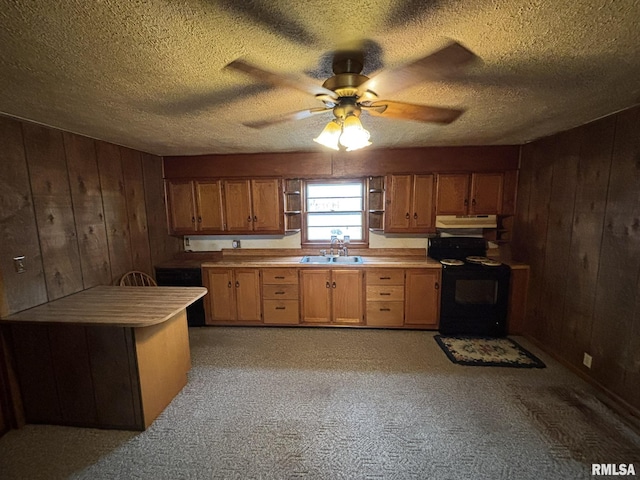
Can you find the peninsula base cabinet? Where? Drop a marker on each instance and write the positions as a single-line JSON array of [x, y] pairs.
[[234, 295], [332, 296]]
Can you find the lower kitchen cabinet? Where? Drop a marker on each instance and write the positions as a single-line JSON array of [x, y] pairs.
[[518, 286], [374, 297], [280, 299], [332, 296], [422, 298], [234, 295], [385, 297]]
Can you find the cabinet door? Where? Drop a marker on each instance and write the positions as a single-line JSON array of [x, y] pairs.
[[398, 203], [486, 193], [237, 200], [346, 286], [182, 210], [221, 302], [315, 285], [422, 297], [422, 217], [247, 286], [268, 209], [209, 200], [452, 194]]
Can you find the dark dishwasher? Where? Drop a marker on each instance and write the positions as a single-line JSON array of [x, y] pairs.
[[184, 277]]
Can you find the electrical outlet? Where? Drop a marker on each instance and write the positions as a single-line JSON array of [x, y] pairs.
[[18, 264], [187, 241], [235, 243], [587, 360]]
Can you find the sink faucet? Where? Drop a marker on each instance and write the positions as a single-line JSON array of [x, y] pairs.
[[334, 240]]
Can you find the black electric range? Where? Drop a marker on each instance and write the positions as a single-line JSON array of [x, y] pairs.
[[474, 296]]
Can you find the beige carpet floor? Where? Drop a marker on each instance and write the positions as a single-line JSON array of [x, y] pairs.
[[319, 403]]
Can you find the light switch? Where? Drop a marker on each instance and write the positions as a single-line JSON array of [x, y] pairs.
[[18, 263]]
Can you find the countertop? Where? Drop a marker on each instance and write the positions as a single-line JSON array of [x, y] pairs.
[[368, 262], [113, 306], [407, 258]]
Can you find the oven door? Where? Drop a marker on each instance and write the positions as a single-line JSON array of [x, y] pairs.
[[474, 300]]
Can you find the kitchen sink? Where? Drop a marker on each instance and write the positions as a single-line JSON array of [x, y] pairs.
[[326, 260], [316, 259], [348, 260]]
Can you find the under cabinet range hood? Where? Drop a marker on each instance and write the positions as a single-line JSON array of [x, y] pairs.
[[466, 221]]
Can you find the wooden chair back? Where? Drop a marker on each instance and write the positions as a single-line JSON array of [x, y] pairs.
[[137, 279]]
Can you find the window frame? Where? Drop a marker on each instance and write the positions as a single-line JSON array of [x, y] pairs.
[[305, 242]]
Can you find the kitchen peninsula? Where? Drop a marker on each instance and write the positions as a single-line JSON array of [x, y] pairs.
[[108, 357]]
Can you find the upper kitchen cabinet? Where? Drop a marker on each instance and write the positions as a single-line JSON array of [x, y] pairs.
[[469, 194], [409, 204], [254, 206], [195, 207], [210, 207]]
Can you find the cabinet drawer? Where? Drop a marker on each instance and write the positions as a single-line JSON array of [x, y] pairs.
[[387, 293], [280, 292], [278, 276], [385, 314], [281, 311], [385, 276]]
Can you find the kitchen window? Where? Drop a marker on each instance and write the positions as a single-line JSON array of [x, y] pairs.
[[334, 207]]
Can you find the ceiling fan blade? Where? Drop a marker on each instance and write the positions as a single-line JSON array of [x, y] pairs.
[[287, 117], [409, 111], [433, 66], [300, 84]]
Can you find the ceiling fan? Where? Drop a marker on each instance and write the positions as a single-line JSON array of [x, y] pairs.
[[348, 93]]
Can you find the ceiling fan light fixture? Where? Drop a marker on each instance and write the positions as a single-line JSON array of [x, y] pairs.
[[354, 136], [330, 135]]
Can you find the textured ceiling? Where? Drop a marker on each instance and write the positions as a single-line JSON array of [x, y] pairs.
[[148, 74]]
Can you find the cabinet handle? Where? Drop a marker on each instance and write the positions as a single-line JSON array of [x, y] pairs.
[[328, 285], [415, 215], [279, 278], [473, 202], [466, 202], [333, 284], [281, 308], [279, 293], [249, 218], [385, 278], [385, 309], [199, 219], [255, 218], [384, 293], [193, 219], [237, 284], [407, 216], [437, 285], [229, 285]]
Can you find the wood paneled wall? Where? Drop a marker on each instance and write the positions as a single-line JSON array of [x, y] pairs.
[[578, 226], [346, 165], [82, 211]]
